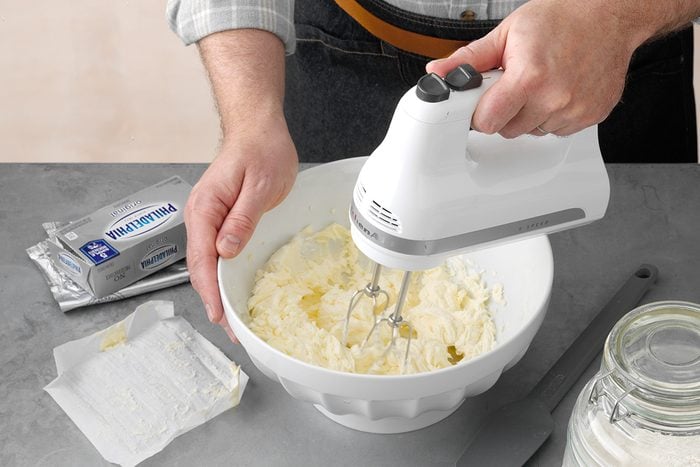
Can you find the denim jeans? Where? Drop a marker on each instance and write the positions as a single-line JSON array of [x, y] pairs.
[[343, 85]]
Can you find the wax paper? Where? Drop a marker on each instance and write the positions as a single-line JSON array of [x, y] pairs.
[[134, 387]]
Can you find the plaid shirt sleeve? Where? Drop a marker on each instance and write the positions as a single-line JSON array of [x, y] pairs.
[[195, 19], [192, 20]]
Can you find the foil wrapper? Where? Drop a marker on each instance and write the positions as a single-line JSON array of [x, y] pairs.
[[70, 295]]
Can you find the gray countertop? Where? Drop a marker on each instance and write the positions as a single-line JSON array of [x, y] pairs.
[[654, 217]]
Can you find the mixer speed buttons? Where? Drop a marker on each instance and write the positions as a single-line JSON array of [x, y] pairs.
[[432, 88], [463, 77]]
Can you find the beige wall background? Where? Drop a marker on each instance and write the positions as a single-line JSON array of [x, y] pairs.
[[100, 81]]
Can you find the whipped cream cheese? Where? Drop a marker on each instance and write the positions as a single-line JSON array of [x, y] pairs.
[[301, 296]]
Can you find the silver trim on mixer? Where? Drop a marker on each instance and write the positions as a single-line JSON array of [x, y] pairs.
[[432, 247]]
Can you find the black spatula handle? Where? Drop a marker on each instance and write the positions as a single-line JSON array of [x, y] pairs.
[[561, 377]]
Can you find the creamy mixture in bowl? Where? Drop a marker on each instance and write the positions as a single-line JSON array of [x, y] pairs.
[[301, 296]]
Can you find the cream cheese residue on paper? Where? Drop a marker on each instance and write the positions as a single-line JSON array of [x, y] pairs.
[[134, 387], [301, 297], [113, 336]]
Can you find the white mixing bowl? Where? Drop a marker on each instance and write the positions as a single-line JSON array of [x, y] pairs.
[[376, 403]]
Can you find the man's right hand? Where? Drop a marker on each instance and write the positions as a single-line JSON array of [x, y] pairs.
[[256, 165]]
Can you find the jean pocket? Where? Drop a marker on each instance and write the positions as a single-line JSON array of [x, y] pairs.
[[308, 34]]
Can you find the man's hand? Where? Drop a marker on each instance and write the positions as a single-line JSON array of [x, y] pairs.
[[564, 61], [252, 174], [257, 162]]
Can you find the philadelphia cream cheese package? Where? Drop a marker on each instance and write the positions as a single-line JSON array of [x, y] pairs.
[[121, 243]]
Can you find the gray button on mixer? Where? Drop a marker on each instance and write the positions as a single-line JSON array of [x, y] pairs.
[[463, 77], [431, 88]]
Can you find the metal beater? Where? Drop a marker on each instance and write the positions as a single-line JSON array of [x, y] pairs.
[[372, 291], [393, 319], [396, 321]]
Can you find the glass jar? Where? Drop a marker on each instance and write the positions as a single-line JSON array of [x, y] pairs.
[[643, 407]]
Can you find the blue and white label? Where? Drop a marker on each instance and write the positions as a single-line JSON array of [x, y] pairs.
[[99, 251], [158, 257], [71, 265], [146, 219]]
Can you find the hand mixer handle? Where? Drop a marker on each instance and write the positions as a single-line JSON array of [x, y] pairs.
[[434, 119], [450, 99]]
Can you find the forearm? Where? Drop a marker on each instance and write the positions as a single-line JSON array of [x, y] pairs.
[[648, 19], [673, 14], [246, 70]]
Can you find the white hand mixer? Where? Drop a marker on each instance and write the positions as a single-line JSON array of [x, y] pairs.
[[433, 189]]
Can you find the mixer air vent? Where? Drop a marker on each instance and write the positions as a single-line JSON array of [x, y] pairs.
[[360, 193], [384, 216]]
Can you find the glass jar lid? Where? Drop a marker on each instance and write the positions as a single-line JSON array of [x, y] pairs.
[[653, 356]]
